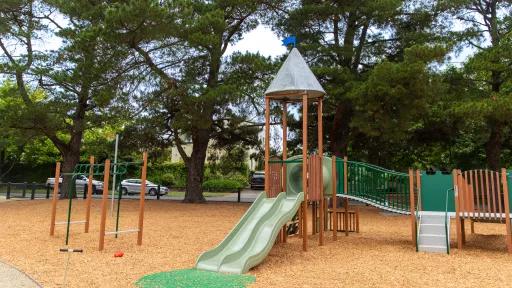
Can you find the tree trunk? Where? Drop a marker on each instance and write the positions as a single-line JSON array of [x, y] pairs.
[[493, 146], [195, 167], [340, 132], [70, 160], [71, 157]]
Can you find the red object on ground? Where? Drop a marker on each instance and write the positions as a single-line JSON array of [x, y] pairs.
[[119, 254]]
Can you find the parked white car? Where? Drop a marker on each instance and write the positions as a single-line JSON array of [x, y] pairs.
[[81, 182], [132, 186]]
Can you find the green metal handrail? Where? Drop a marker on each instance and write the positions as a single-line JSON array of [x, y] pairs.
[[381, 186], [382, 169], [446, 221], [99, 169], [418, 218]]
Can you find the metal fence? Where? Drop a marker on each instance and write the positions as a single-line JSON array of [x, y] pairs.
[[25, 190], [32, 191]]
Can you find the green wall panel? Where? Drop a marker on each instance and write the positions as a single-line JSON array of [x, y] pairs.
[[433, 192]]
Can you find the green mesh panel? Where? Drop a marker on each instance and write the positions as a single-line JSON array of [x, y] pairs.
[[191, 278]]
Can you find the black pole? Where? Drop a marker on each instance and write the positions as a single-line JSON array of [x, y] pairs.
[[85, 190], [24, 192], [158, 192], [48, 191], [33, 192], [239, 194], [8, 195]]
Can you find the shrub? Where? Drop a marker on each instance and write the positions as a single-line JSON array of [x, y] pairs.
[[243, 180], [171, 174], [221, 185], [166, 179]]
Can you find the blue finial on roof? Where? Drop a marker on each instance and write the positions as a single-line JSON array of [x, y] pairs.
[[290, 40]]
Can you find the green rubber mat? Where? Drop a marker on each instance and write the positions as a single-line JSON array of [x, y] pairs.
[[192, 278]]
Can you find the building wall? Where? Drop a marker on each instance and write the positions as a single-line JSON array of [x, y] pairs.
[[176, 157]]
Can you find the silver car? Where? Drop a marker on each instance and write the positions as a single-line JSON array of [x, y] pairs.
[[132, 186], [81, 183]]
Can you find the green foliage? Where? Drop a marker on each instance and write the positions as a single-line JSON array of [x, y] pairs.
[[167, 173], [157, 72], [222, 185]]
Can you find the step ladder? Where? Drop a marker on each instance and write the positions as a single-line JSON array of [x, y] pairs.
[[434, 231]]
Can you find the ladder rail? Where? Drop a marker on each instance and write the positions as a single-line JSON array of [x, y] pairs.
[[447, 229]]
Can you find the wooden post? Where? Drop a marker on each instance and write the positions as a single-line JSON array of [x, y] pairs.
[[357, 219], [285, 142], [89, 195], [334, 213], [285, 156], [506, 198], [54, 198], [267, 146], [104, 204], [320, 172], [345, 216], [142, 197], [418, 186], [304, 171], [458, 224], [412, 206]]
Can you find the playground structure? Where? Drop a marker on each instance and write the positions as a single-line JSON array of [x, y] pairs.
[[104, 170], [481, 196], [294, 184], [55, 197]]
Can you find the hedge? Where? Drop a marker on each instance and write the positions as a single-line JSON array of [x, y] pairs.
[[222, 185]]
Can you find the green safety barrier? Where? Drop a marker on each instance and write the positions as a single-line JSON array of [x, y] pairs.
[[509, 182], [375, 184], [433, 192]]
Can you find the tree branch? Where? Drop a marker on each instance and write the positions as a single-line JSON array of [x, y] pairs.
[[170, 81]]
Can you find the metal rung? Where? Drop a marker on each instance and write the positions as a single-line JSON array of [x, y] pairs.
[[70, 222], [122, 231]]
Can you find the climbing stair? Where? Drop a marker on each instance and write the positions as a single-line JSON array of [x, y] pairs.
[[434, 231]]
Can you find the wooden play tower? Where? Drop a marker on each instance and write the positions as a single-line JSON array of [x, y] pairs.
[[295, 83]]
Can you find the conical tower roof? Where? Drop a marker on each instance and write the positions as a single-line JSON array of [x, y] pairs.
[[293, 79]]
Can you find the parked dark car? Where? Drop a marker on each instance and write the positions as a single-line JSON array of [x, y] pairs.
[[258, 180]]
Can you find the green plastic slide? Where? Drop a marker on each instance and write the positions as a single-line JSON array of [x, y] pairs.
[[253, 236]]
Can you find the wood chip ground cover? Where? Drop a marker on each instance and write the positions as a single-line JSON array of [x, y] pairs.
[[381, 255]]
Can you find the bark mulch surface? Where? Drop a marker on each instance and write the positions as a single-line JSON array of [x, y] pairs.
[[175, 234]]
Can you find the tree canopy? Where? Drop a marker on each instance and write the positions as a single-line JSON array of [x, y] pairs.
[[161, 74]]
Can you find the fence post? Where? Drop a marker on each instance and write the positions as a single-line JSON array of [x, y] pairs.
[[47, 190], [85, 191], [8, 195], [239, 194], [33, 192], [24, 192], [158, 192]]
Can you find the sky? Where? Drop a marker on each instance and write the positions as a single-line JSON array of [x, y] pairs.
[[261, 40]]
